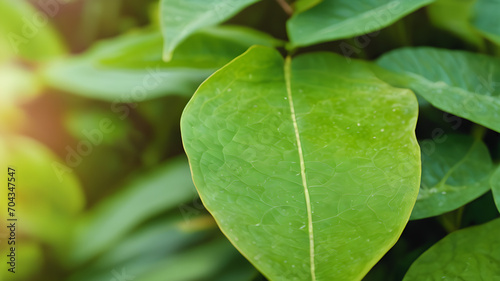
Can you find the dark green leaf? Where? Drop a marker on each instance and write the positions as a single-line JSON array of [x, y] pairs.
[[486, 19], [455, 16], [470, 254], [458, 82], [455, 171], [339, 19]]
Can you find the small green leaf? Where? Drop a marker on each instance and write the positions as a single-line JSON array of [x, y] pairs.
[[130, 69], [339, 19], [486, 19], [316, 151], [162, 189], [458, 82], [27, 32], [455, 171], [181, 18], [495, 187], [469, 254], [455, 16]]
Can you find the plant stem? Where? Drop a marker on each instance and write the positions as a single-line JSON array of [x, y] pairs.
[[285, 6]]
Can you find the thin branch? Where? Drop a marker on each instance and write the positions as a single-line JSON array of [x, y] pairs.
[[285, 6]]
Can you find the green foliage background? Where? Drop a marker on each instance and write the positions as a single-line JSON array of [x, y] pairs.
[[92, 93]]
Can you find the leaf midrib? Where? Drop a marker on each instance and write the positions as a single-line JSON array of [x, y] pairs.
[[302, 166]]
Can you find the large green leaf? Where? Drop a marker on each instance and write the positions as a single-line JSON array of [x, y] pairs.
[[309, 166], [159, 190], [181, 18], [27, 32], [495, 187], [339, 19], [455, 16], [470, 254], [486, 19], [454, 173], [130, 68], [461, 83]]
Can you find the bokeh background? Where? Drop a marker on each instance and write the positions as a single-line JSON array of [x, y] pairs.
[[89, 118]]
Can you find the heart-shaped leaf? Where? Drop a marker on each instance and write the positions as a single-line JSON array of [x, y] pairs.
[[339, 19], [310, 166], [181, 18], [469, 254], [455, 171], [458, 82]]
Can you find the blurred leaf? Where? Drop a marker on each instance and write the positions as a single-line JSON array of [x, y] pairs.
[[340, 19], [142, 250], [27, 32], [266, 166], [18, 86], [486, 19], [455, 16], [181, 18], [148, 195], [201, 263], [153, 241], [48, 197], [454, 172], [210, 47], [495, 187], [464, 84], [29, 254], [469, 254], [87, 124], [304, 5], [129, 68]]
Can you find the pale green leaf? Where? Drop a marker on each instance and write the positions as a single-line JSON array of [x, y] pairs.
[[469, 254], [455, 171], [455, 16], [310, 166], [340, 19], [486, 19], [458, 82], [27, 32], [495, 187], [130, 69], [150, 194], [181, 18]]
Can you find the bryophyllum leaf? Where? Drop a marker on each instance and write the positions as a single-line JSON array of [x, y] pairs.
[[309, 165]]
